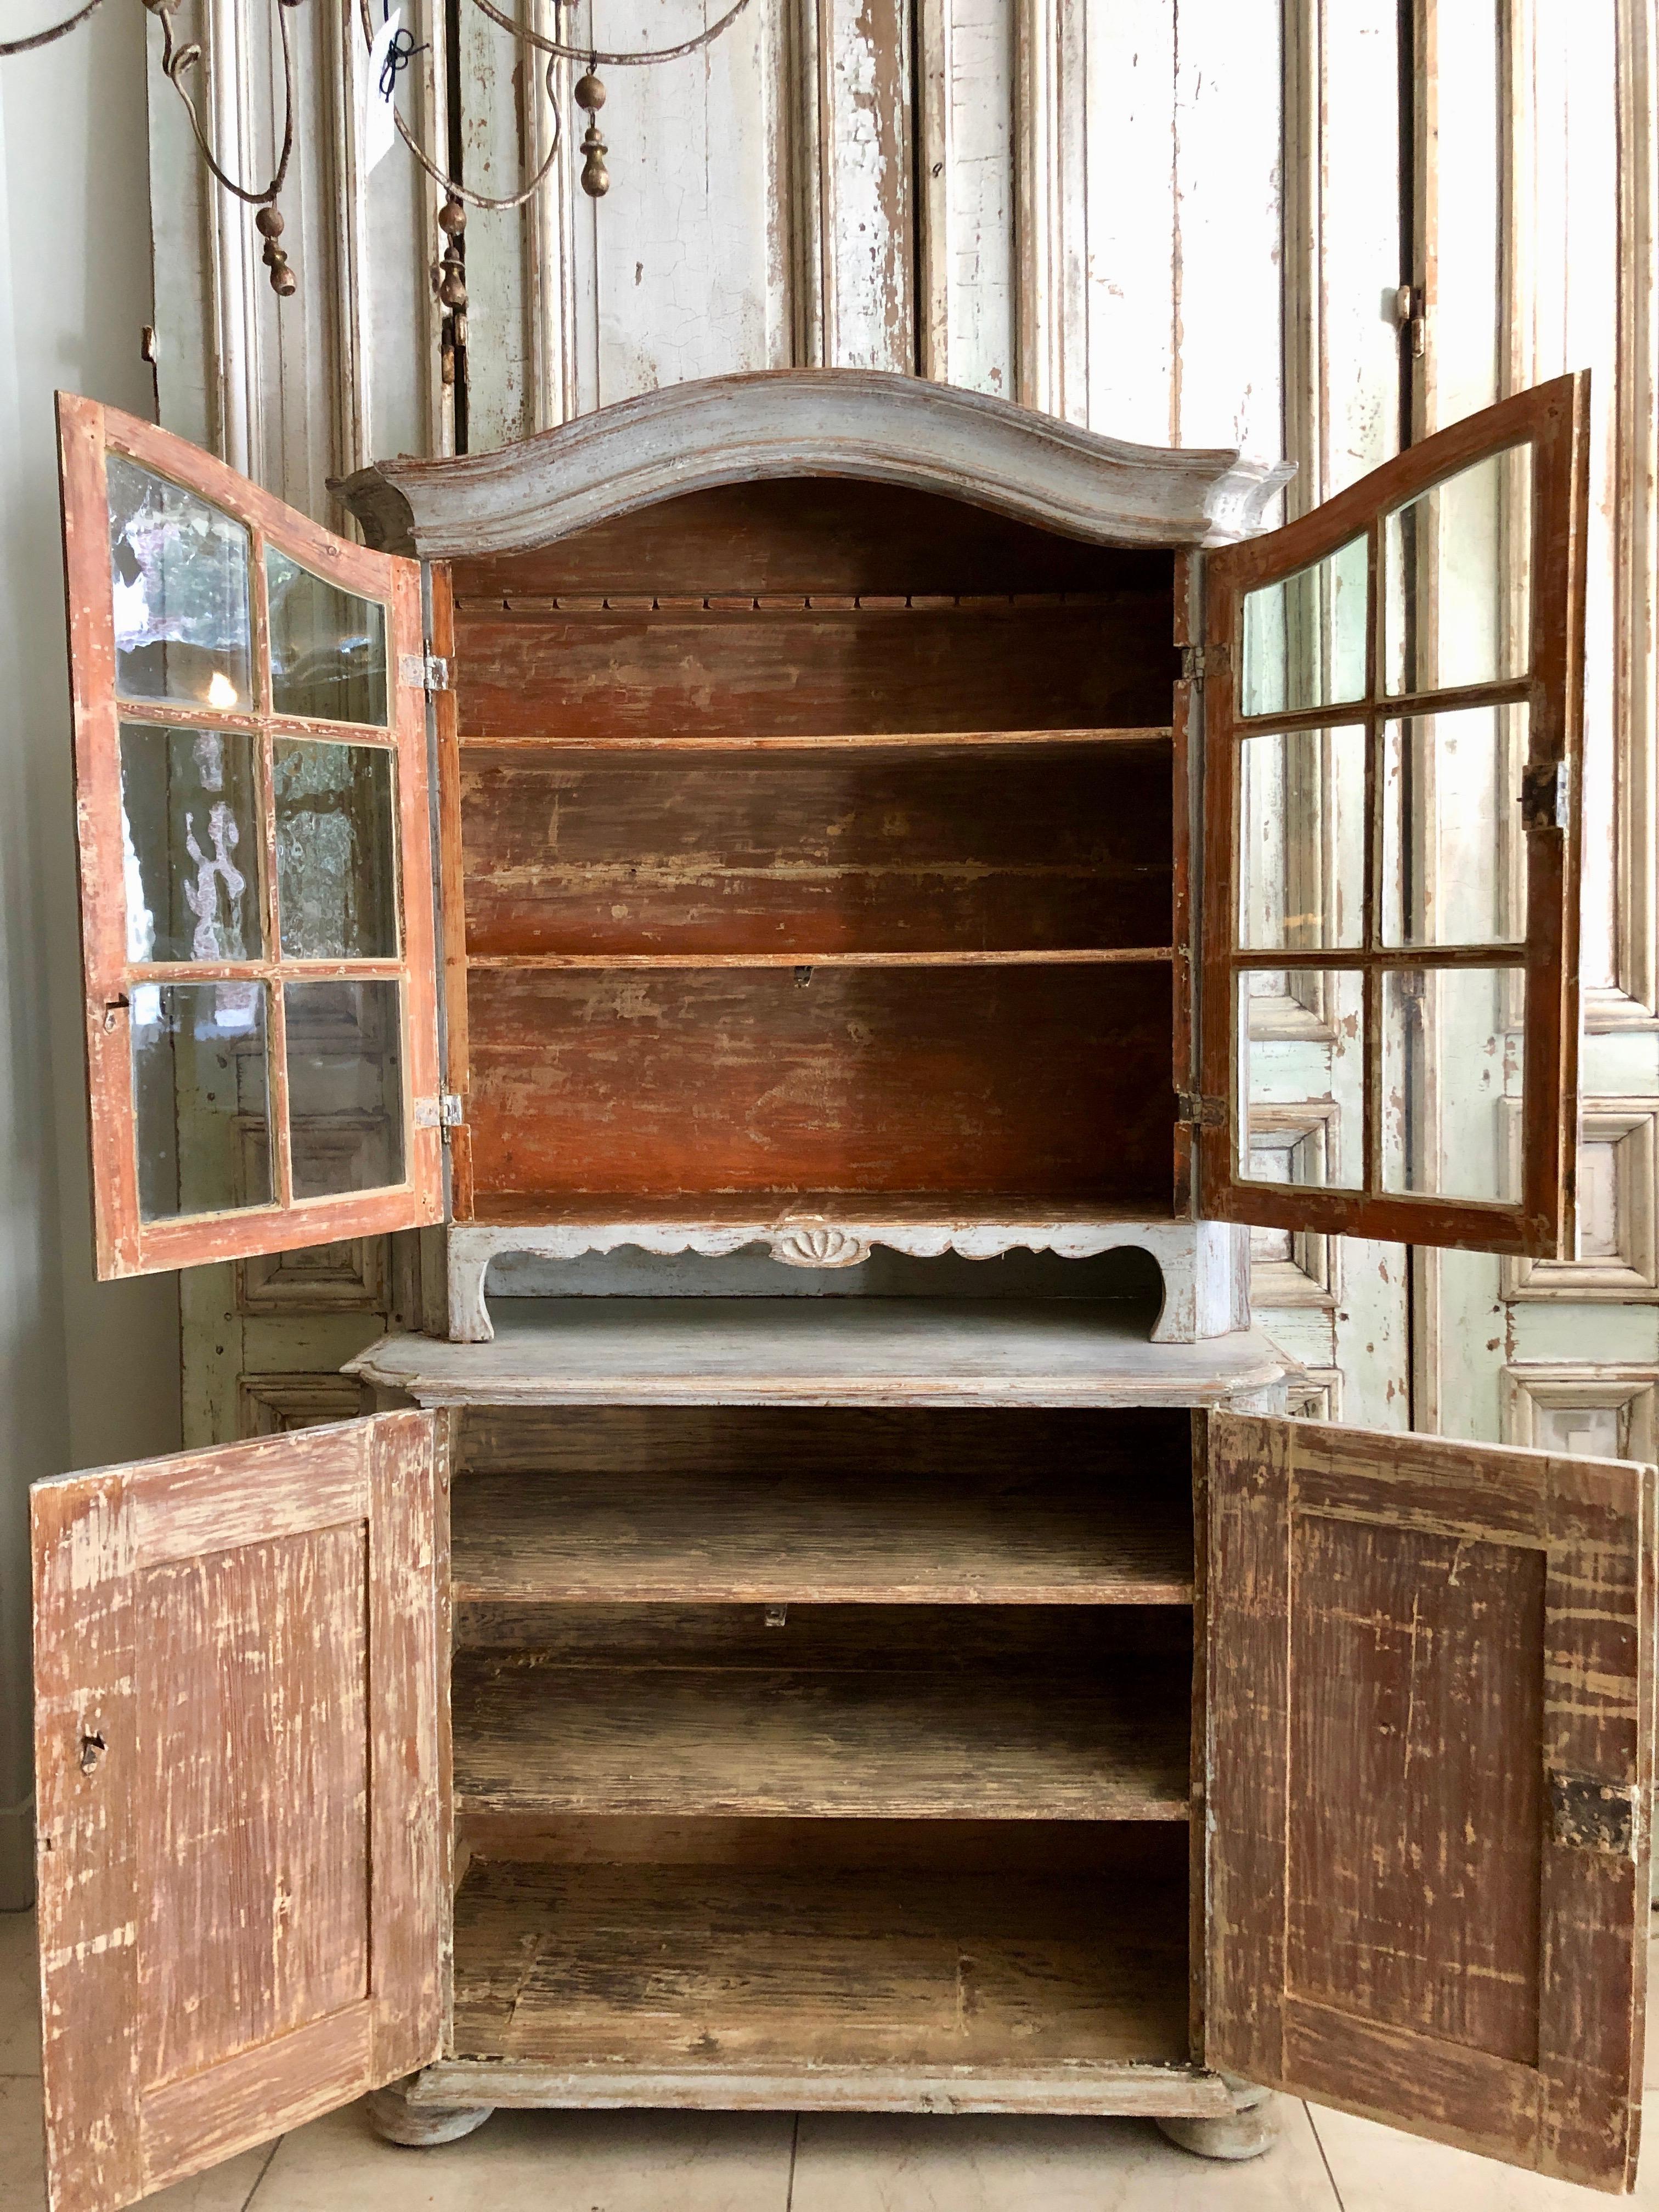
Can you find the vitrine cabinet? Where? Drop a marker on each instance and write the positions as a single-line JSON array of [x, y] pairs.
[[829, 813]]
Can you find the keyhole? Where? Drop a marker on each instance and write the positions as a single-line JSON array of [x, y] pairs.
[[92, 1747]]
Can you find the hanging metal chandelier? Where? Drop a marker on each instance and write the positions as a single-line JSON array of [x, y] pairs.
[[181, 65]]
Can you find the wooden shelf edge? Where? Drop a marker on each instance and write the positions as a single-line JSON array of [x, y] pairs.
[[1140, 956], [847, 741], [780, 1589]]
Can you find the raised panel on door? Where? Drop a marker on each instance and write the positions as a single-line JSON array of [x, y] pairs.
[[240, 1730], [255, 843], [1393, 694], [1429, 1679]]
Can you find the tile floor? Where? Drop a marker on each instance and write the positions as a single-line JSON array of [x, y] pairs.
[[717, 2162]]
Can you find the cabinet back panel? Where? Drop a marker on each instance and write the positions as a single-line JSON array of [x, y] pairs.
[[812, 534], [1049, 1082], [696, 673], [1064, 847]]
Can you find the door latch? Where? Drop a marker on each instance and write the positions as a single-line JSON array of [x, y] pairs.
[[1411, 315], [92, 1748], [1591, 1815]]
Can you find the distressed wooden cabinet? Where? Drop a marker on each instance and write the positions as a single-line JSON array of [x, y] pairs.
[[839, 816]]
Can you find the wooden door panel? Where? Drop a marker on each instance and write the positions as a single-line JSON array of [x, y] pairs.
[[1430, 1678], [238, 1745]]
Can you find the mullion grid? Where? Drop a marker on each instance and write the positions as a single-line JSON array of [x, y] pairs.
[[1374, 960], [271, 970]]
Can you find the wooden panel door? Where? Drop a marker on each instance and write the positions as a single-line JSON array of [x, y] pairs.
[[255, 855], [1430, 1696], [1393, 694], [239, 1743]]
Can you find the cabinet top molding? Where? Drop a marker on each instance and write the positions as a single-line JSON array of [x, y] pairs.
[[858, 422]]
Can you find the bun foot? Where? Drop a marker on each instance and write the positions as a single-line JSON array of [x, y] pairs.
[[421, 2127], [1248, 2132]]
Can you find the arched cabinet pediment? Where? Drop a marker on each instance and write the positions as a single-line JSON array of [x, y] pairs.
[[866, 424]]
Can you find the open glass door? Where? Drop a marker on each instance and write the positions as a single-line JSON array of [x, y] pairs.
[[240, 1725], [1429, 1758], [1392, 700], [256, 888]]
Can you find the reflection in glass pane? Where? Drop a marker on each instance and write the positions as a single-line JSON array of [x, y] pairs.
[[327, 647], [1451, 1056], [1282, 1018], [200, 1097], [336, 890], [1302, 839], [1452, 857], [345, 1104], [190, 830], [179, 570], [1304, 637], [1457, 573]]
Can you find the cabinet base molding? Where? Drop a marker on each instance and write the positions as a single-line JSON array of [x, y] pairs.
[[454, 2086]]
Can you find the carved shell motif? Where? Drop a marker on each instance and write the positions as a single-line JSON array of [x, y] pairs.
[[818, 1248]]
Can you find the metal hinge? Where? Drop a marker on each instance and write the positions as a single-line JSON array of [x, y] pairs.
[[1588, 1815], [443, 1112], [1198, 661], [427, 671], [1544, 793], [1410, 315], [1201, 1113]]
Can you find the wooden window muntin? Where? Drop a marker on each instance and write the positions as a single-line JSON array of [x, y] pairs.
[[1553, 420], [126, 1243]]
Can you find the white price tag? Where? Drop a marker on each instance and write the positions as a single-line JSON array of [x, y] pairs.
[[378, 124]]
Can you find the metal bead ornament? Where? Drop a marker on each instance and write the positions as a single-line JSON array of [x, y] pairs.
[[589, 93]]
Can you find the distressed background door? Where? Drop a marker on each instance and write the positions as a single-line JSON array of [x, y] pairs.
[[1186, 221]]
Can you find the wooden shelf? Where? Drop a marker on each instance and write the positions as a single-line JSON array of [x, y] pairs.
[[715, 1970], [1126, 956], [972, 1536], [888, 1743], [819, 1352], [618, 747]]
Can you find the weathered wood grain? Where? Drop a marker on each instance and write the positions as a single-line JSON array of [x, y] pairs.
[[1396, 1924], [958, 1534], [237, 1745], [1045, 1081], [1063, 848], [675, 1968], [786, 1741], [616, 672]]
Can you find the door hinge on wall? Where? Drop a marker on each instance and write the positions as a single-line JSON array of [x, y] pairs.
[[1201, 1113], [1590, 1815], [1544, 795], [443, 1112], [1198, 661], [427, 671]]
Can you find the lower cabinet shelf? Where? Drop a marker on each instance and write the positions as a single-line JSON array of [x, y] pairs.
[[723, 1970], [958, 1721]]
